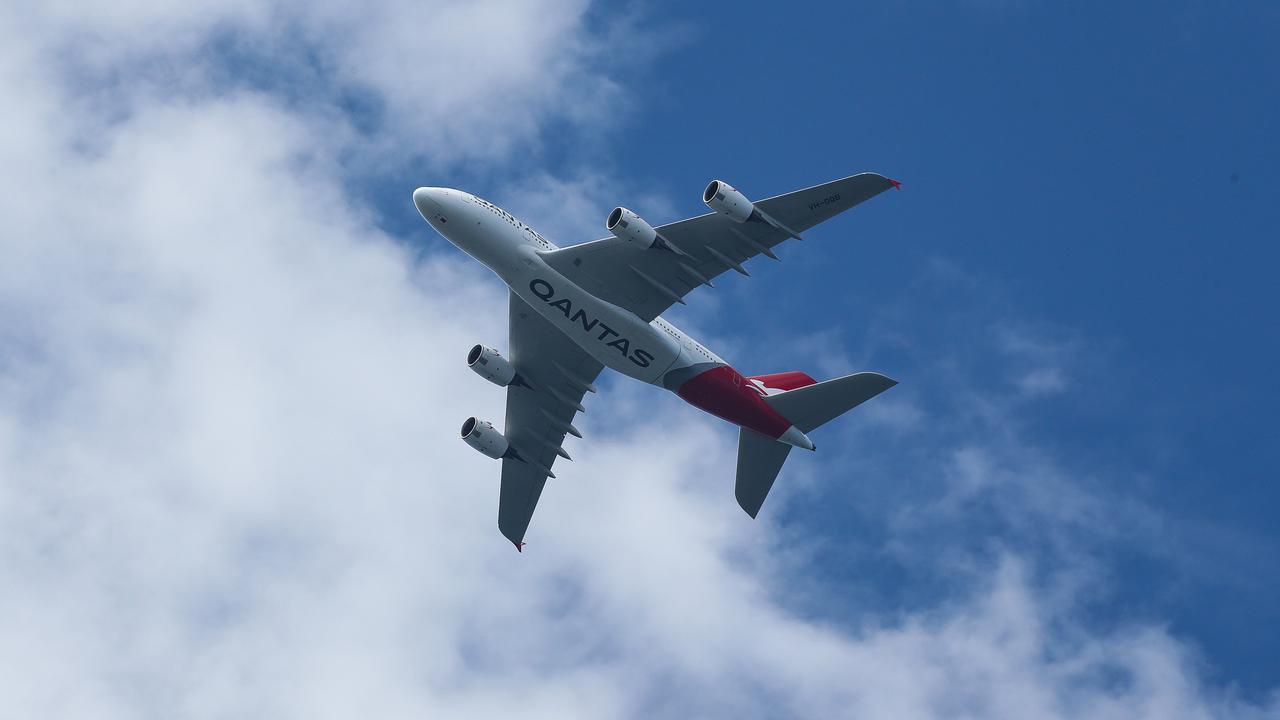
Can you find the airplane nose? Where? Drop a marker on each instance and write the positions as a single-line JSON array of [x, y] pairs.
[[428, 201]]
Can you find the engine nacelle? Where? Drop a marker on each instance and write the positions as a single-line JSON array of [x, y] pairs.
[[629, 226], [483, 436], [490, 365], [724, 199]]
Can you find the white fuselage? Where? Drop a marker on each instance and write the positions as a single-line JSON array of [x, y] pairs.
[[616, 337]]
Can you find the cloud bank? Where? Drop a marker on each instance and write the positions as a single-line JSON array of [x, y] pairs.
[[229, 481]]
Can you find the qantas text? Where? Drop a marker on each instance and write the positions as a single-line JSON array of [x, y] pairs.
[[547, 293]]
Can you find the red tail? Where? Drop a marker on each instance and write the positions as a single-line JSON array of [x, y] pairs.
[[784, 380]]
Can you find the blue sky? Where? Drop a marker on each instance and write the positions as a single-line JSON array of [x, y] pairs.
[[1103, 178], [1103, 172], [231, 371]]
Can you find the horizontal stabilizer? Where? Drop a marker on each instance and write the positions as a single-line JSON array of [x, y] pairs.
[[814, 405], [759, 459]]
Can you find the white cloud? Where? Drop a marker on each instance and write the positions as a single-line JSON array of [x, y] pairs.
[[1042, 381], [229, 482], [1039, 357], [451, 81]]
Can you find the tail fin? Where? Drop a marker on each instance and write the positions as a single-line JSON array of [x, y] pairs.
[[808, 406]]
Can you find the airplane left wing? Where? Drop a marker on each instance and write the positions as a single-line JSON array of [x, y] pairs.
[[558, 373], [647, 281]]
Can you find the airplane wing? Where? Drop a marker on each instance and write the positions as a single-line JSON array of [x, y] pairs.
[[559, 373], [647, 282]]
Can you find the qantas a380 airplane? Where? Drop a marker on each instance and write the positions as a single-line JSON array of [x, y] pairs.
[[578, 309]]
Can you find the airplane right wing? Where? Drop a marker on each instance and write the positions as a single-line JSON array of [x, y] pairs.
[[647, 282]]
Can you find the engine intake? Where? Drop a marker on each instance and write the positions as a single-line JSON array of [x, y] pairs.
[[490, 365], [726, 200], [629, 226], [483, 436]]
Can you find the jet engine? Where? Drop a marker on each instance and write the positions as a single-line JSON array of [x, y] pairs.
[[724, 199], [483, 436], [491, 366], [629, 226]]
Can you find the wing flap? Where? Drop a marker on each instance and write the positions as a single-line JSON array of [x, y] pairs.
[[522, 485]]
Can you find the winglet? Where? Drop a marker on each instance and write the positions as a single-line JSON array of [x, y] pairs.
[[896, 185]]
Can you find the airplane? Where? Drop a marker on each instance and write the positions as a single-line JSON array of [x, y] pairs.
[[577, 309]]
